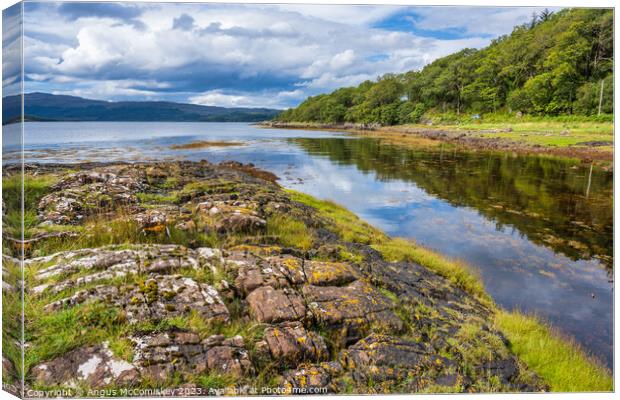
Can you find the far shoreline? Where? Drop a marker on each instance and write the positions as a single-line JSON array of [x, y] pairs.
[[469, 139]]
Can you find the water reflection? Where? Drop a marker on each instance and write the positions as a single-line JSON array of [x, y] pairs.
[[544, 198]]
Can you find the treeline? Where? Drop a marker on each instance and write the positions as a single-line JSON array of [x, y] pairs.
[[557, 64]]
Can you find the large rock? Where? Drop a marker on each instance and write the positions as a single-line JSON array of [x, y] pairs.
[[277, 272], [87, 193], [382, 358], [292, 343], [355, 308], [232, 216], [155, 352], [322, 273], [309, 379], [272, 306], [147, 258], [159, 297], [94, 366]]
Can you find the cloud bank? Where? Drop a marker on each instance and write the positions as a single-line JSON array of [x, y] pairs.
[[239, 55]]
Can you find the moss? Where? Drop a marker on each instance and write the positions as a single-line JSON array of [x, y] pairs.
[[196, 189], [156, 198], [122, 347], [561, 362], [169, 295]]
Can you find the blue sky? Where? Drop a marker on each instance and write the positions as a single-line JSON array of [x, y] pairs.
[[239, 55]]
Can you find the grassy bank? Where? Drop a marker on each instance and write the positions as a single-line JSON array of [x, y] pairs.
[[562, 363], [586, 138], [558, 360], [543, 131]]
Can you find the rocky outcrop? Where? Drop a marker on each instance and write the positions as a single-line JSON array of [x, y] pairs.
[[276, 305], [292, 343], [159, 297], [90, 192], [192, 356], [311, 379], [97, 367], [354, 309], [382, 358], [200, 292], [94, 366]]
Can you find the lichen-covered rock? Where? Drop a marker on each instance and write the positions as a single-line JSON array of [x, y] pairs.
[[94, 366], [292, 268], [112, 263], [88, 193], [381, 358], [192, 356], [311, 379], [322, 273], [292, 343], [255, 273], [155, 220], [276, 305], [355, 308], [232, 215], [159, 297], [240, 222], [277, 272]]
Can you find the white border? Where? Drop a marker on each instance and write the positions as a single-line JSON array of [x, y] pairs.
[[496, 3]]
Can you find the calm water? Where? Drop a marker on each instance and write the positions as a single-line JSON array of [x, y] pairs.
[[539, 230]]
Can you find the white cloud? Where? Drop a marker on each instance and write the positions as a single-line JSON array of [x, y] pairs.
[[248, 99], [233, 55], [343, 14]]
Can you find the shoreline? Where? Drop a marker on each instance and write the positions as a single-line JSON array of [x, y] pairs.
[[407, 136]]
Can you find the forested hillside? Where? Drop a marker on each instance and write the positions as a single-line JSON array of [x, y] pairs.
[[554, 65]]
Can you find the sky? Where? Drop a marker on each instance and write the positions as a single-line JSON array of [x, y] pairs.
[[237, 55]]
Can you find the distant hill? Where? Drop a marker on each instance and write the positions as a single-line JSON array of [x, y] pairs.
[[49, 107]]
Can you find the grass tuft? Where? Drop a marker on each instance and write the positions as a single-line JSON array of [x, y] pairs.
[[561, 362], [290, 231]]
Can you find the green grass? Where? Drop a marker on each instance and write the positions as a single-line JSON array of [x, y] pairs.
[[559, 361], [348, 225], [156, 198], [290, 231], [544, 131], [35, 187]]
